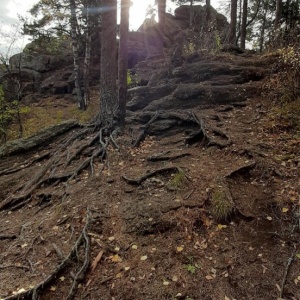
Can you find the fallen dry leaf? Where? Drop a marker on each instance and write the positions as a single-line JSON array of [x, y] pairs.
[[179, 249], [144, 257], [115, 258]]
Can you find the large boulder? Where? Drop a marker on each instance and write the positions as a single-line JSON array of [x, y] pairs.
[[39, 62], [218, 21]]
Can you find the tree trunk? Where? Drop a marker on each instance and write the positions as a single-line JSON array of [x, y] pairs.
[[232, 28], [191, 13], [244, 24], [123, 60], [207, 13], [161, 7], [74, 37], [278, 13], [87, 57], [108, 87], [263, 27]]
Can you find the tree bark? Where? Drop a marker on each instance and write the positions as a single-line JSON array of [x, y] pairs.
[[191, 13], [108, 86], [87, 57], [73, 21], [123, 60], [161, 7], [278, 13], [207, 12], [263, 27], [244, 24], [232, 28]]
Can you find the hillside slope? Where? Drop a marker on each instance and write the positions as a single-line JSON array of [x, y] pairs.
[[205, 207]]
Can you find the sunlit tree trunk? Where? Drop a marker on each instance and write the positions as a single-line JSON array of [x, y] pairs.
[[161, 7], [233, 16], [123, 60], [108, 86], [79, 96]]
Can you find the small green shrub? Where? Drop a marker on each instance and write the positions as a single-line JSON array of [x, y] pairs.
[[189, 48], [221, 206], [132, 80], [10, 112], [190, 268], [177, 180]]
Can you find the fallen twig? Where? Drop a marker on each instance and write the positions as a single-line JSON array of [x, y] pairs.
[[289, 262], [7, 237]]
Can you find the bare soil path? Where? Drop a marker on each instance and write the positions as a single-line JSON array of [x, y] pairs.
[[203, 210]]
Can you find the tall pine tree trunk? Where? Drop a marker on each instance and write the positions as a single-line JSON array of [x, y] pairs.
[[232, 28], [123, 60], [87, 57], [161, 7], [244, 24], [108, 86], [278, 13], [263, 26], [74, 37], [191, 13], [207, 13]]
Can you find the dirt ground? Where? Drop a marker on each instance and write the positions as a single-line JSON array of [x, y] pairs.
[[161, 237]]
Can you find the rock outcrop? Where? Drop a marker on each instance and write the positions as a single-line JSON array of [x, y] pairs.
[[204, 82], [53, 74]]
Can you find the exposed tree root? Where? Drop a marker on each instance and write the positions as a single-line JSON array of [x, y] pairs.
[[83, 238], [82, 148], [143, 133], [242, 170], [47, 174], [25, 164], [14, 266], [218, 137], [139, 180], [164, 156], [44, 136]]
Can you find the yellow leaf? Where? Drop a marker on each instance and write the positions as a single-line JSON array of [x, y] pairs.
[[24, 246], [179, 249], [144, 257], [285, 209], [62, 278], [208, 277], [269, 218], [220, 226], [127, 268], [111, 238], [116, 258], [119, 275], [166, 283], [53, 288], [134, 247]]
